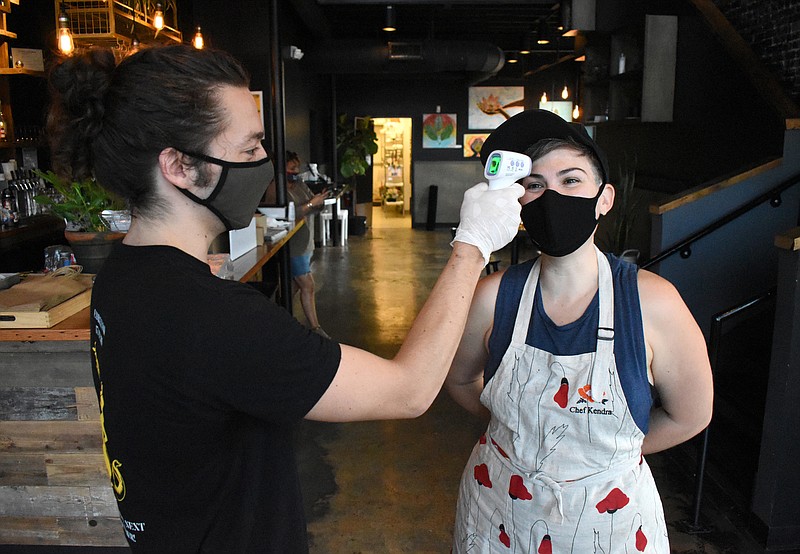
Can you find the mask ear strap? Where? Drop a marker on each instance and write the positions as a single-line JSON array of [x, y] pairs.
[[206, 202], [597, 198]]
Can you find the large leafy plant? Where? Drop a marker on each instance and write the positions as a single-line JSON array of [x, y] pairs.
[[80, 203], [355, 142], [624, 214]]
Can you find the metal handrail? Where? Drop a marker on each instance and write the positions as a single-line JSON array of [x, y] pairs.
[[683, 246]]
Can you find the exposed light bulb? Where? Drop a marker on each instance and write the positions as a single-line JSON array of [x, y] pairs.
[[576, 113], [543, 41], [565, 93], [544, 98], [158, 17], [65, 43], [198, 41]]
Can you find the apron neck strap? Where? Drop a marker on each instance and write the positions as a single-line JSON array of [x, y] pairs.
[[600, 377], [604, 353]]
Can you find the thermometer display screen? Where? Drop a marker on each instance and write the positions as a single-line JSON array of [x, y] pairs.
[[494, 164]]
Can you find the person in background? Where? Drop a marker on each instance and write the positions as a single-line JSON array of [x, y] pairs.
[[301, 245], [560, 354], [200, 380]]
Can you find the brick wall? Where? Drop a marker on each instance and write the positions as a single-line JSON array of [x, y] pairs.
[[772, 28]]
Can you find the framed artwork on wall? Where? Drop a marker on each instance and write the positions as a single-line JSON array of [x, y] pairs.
[[490, 106], [258, 96], [561, 109], [439, 130], [473, 142]]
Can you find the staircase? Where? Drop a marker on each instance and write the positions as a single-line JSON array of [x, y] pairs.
[[744, 243]]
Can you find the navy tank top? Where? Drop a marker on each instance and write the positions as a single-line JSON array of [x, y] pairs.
[[580, 336]]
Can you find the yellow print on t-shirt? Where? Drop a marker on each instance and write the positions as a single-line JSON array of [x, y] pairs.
[[113, 467]]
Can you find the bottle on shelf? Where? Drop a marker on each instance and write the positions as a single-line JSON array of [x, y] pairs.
[[3, 131]]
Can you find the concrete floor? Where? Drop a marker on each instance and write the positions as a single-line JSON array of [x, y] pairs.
[[390, 486]]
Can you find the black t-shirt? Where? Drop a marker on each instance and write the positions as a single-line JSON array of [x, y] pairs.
[[200, 380]]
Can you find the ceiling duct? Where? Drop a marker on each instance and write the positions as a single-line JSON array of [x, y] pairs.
[[477, 61]]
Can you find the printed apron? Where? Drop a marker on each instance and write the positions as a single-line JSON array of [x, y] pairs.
[[559, 469]]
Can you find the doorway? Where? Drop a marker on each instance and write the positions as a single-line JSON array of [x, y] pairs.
[[391, 174]]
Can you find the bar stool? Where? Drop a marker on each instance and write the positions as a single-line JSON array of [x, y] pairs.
[[326, 216]]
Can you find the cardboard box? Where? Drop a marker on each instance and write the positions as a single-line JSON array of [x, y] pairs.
[[261, 227]]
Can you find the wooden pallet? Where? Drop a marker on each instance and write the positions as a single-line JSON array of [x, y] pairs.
[[54, 489]]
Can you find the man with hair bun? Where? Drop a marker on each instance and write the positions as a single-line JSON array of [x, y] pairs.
[[200, 379]]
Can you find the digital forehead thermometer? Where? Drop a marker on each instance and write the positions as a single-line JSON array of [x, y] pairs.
[[504, 168]]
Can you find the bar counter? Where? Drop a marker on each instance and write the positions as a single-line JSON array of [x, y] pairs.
[[54, 489]]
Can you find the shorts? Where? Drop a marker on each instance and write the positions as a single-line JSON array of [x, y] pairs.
[[300, 265]]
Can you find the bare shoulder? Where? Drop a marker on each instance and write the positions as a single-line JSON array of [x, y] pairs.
[[656, 293], [667, 319], [488, 286]]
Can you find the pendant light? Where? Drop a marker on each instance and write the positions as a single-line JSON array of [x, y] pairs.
[[565, 93], [543, 33], [198, 41], [526, 44], [390, 19], [158, 17], [64, 34]]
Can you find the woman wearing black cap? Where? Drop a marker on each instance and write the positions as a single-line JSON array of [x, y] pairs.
[[561, 353]]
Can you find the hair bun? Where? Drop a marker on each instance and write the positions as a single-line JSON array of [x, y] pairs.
[[78, 86]]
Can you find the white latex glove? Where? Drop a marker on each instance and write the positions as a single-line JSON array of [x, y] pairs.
[[489, 218]]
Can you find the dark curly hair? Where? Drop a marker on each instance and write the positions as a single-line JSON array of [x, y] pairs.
[[111, 121]]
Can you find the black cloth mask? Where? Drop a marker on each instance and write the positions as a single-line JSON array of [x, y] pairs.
[[558, 224], [238, 191]]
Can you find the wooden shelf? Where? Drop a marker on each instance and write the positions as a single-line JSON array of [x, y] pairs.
[[20, 71], [643, 91]]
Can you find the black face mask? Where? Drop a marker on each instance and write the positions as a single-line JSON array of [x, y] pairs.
[[560, 224], [239, 190]]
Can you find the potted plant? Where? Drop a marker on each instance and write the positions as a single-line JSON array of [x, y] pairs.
[[355, 145], [622, 217], [81, 204]]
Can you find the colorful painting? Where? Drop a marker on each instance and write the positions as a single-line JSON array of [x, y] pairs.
[[439, 130], [490, 106], [258, 97], [473, 143]]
